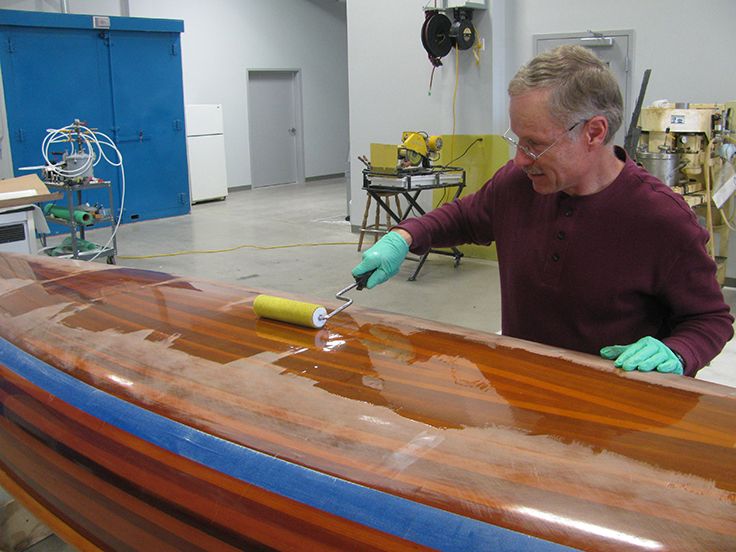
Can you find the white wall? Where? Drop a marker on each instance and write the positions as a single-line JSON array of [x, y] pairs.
[[222, 39], [687, 43], [389, 74]]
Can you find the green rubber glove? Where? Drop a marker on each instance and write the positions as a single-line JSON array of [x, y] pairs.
[[385, 256], [645, 355]]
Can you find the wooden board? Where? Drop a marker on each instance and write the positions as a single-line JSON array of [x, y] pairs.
[[19, 529], [142, 411]]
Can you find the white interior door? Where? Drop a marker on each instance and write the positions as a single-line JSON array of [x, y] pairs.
[[615, 48], [273, 128]]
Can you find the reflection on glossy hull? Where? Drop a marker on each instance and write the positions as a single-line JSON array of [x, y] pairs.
[[142, 411]]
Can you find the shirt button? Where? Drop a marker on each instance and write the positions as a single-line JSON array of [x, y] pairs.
[[561, 234], [568, 213], [555, 257]]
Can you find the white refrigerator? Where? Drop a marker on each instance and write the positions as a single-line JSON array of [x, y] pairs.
[[206, 152]]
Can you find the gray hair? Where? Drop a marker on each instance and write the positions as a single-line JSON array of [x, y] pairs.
[[582, 86]]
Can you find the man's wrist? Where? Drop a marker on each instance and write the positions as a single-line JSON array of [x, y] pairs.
[[404, 234], [680, 358]]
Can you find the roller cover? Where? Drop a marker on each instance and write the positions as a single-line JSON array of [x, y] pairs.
[[288, 310]]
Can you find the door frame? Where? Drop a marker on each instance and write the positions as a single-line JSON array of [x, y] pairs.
[[298, 119], [595, 40], [6, 147]]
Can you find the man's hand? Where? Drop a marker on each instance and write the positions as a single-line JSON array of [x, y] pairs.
[[645, 355], [385, 257]]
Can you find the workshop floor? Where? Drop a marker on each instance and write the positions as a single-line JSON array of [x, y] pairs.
[[252, 229]]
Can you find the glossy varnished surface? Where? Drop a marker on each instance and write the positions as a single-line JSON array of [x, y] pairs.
[[545, 443]]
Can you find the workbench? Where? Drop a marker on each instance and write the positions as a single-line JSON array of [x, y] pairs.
[[410, 184]]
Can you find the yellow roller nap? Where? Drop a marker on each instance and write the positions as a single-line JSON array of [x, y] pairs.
[[304, 314], [287, 310]]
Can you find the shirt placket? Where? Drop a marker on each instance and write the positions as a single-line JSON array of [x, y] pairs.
[[557, 250]]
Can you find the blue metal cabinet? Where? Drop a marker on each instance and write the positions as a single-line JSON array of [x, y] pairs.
[[125, 81]]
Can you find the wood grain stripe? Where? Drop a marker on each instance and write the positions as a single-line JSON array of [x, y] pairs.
[[506, 438]]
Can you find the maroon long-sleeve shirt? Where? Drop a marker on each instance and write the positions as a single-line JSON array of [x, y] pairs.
[[584, 272]]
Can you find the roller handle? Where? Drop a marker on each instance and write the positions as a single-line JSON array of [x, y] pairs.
[[362, 279], [360, 282]]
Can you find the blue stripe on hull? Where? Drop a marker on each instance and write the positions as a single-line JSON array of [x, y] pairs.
[[390, 514]]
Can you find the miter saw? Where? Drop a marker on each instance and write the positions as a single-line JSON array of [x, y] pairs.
[[418, 150]]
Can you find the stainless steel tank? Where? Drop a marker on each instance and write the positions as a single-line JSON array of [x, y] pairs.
[[663, 165]]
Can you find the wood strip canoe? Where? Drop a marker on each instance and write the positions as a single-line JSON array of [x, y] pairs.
[[147, 412]]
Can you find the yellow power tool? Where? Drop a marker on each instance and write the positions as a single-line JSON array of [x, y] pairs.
[[419, 149]]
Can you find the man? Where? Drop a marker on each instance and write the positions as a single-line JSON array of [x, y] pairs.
[[595, 254]]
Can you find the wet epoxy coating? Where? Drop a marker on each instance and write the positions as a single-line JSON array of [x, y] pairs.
[[547, 443]]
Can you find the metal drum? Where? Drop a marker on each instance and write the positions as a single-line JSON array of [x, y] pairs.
[[665, 166]]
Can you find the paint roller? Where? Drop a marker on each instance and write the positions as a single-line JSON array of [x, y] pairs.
[[301, 313]]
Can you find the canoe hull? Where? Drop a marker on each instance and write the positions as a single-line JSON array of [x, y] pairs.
[[141, 411]]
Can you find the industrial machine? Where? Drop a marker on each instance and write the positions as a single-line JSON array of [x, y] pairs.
[[77, 165], [401, 173], [678, 142], [690, 147], [418, 149], [416, 154]]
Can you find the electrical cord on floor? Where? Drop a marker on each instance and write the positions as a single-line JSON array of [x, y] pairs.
[[233, 249]]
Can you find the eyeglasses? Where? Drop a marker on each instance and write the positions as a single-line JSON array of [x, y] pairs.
[[529, 152]]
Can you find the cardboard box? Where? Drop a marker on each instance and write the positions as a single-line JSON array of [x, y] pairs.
[[25, 190]]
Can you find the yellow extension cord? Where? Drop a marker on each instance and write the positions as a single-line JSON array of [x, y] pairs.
[[232, 249]]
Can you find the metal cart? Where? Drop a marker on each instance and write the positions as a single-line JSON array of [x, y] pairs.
[[73, 194], [410, 184]]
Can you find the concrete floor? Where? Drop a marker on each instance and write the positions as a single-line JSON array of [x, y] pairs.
[[251, 229]]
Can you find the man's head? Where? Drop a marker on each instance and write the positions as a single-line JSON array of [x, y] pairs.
[[581, 87], [565, 108]]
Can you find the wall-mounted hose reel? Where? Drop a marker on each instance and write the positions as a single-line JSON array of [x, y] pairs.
[[440, 34]]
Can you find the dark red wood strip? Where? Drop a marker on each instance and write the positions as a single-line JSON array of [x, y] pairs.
[[126, 504]]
